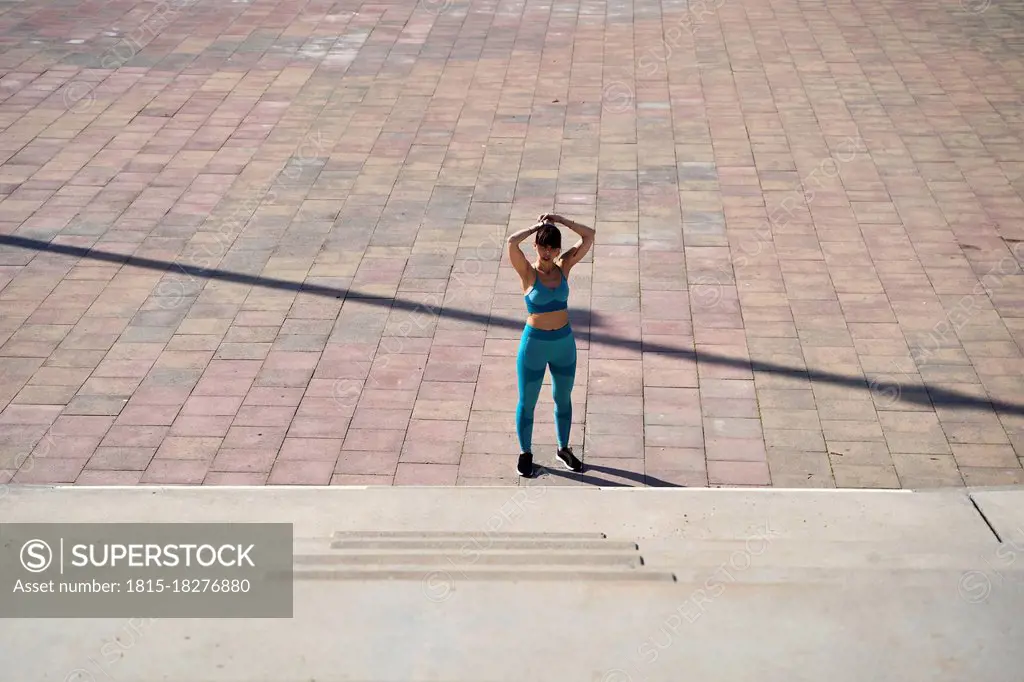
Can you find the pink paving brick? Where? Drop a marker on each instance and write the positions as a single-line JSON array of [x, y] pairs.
[[171, 471], [147, 415], [50, 470], [435, 430], [366, 462], [235, 478], [280, 396], [484, 466], [361, 480], [409, 473], [80, 425], [29, 414], [69, 447], [201, 448], [252, 460], [120, 459], [615, 446], [384, 398], [674, 459], [297, 472], [264, 415], [726, 473], [384, 440], [432, 452], [104, 477], [334, 407], [310, 449], [211, 405], [134, 436]]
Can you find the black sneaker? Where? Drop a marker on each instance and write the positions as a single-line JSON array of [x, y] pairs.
[[525, 466], [569, 460]]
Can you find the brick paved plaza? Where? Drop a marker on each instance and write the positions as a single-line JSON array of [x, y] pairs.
[[262, 242]]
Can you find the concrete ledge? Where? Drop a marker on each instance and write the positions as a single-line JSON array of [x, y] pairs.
[[767, 584], [919, 519]]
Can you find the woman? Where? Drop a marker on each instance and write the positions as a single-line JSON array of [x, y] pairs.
[[547, 339]]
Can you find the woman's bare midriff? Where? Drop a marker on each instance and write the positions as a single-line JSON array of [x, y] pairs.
[[549, 321]]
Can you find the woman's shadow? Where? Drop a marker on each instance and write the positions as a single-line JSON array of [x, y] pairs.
[[642, 479]]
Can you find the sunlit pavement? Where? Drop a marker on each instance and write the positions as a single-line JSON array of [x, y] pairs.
[[263, 242]]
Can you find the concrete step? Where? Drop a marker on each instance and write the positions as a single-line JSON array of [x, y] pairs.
[[479, 541], [520, 558], [454, 536], [439, 576]]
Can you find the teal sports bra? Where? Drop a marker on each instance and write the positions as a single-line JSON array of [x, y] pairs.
[[543, 299]]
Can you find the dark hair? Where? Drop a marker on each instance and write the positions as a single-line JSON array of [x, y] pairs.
[[548, 235]]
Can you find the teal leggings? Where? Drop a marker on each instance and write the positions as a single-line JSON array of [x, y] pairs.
[[540, 349]]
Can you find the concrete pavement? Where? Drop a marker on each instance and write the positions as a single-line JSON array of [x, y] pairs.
[[433, 583], [261, 242]]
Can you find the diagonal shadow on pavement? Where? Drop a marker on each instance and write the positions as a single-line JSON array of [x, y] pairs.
[[640, 478], [916, 394]]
